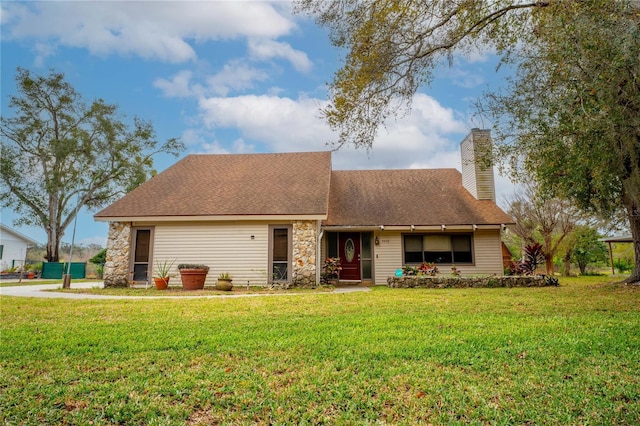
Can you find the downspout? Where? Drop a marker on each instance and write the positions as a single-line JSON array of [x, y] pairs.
[[318, 252]]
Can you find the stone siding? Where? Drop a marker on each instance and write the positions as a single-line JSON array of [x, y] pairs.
[[304, 241], [116, 267], [470, 282]]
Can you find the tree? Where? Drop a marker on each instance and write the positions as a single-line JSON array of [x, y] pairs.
[[588, 249], [99, 260], [574, 109], [544, 219], [60, 154], [571, 116]]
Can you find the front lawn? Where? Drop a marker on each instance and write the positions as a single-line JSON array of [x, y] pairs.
[[552, 355], [178, 291]]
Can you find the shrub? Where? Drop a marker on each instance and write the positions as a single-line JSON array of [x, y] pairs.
[[622, 265], [551, 281], [330, 270], [427, 269], [409, 271], [193, 266], [533, 257]]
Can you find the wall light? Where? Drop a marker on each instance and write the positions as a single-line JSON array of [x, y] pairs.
[[377, 241]]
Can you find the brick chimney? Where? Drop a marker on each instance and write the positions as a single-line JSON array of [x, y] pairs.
[[477, 171]]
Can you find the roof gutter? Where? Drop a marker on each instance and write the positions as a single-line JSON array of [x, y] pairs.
[[416, 228], [211, 218]]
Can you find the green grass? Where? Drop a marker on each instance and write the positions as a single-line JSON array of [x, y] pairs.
[[557, 355], [173, 291]]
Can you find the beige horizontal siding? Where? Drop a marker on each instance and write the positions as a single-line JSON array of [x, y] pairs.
[[387, 256], [487, 251], [224, 247]]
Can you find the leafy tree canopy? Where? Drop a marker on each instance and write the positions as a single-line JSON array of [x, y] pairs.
[[59, 152], [570, 116], [588, 249]]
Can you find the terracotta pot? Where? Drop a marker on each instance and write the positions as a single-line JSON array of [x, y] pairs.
[[193, 279], [224, 285], [31, 275], [162, 283]]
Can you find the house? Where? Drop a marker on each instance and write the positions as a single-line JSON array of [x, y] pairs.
[[275, 217], [13, 247]]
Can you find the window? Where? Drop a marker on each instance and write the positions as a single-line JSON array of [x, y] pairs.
[[438, 248], [332, 244], [280, 253], [141, 254]]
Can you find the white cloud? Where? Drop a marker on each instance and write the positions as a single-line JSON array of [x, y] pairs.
[[193, 137], [429, 137], [238, 146], [267, 49], [235, 75], [43, 51], [159, 30], [479, 53], [178, 87], [282, 123], [466, 79]]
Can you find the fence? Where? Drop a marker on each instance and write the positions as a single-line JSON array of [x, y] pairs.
[[54, 270]]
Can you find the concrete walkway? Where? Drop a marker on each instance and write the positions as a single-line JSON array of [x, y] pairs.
[[40, 290]]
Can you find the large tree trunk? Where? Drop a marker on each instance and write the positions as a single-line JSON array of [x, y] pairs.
[[53, 244], [633, 214], [548, 264], [567, 264], [548, 255], [583, 268]]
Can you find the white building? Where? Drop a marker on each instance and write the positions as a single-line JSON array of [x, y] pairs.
[[13, 247]]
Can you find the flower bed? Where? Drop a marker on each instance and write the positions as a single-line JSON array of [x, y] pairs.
[[470, 282]]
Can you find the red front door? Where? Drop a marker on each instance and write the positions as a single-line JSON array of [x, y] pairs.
[[349, 246]]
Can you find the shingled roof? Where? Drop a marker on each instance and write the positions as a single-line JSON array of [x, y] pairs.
[[302, 184], [407, 197], [232, 185]]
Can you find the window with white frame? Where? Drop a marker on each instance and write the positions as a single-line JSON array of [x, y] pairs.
[[438, 248]]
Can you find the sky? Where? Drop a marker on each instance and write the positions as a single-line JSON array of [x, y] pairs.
[[227, 77]]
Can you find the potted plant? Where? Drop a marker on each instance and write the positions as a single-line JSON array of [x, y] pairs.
[[224, 282], [162, 275], [193, 276], [30, 272]]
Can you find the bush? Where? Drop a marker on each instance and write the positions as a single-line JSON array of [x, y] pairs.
[[533, 257], [622, 265], [330, 270], [100, 258]]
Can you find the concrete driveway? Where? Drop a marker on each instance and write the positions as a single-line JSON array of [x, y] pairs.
[[39, 290]]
